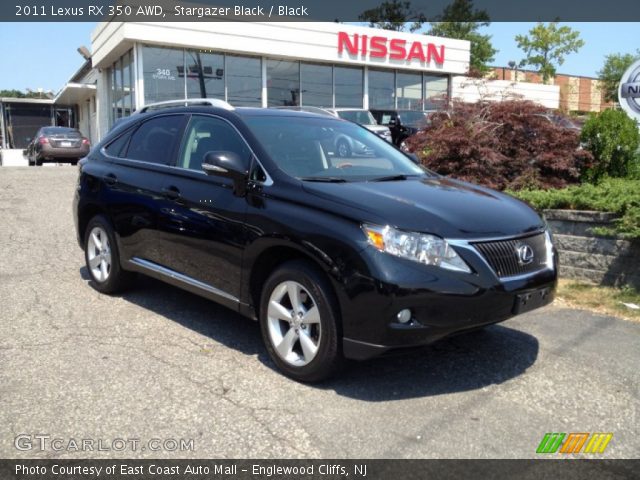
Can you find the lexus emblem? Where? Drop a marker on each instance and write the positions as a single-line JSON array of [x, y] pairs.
[[525, 254]]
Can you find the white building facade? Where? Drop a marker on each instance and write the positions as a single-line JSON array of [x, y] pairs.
[[269, 64]]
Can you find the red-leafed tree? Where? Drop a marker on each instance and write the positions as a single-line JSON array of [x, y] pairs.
[[511, 144]]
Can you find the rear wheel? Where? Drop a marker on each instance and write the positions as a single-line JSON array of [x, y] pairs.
[[38, 161], [299, 322], [102, 257]]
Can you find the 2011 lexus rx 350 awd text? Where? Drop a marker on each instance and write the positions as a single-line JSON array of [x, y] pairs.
[[335, 257]]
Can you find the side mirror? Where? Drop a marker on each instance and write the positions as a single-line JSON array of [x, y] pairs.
[[223, 163], [393, 122]]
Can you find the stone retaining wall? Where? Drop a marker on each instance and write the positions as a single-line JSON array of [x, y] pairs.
[[606, 261]]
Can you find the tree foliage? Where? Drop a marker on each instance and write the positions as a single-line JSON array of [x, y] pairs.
[[394, 15], [460, 20], [547, 46], [613, 139], [611, 72], [501, 145], [13, 93]]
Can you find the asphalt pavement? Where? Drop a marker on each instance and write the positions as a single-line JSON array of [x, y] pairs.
[[158, 363]]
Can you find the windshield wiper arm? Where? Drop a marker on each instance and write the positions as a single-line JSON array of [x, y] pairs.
[[390, 178], [323, 179]]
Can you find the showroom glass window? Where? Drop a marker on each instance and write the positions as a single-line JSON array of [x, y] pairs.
[[348, 87], [317, 85], [283, 83], [163, 74], [409, 90], [205, 74], [436, 90], [244, 81], [381, 89], [121, 87]]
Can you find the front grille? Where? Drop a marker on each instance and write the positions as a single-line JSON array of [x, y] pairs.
[[504, 258]]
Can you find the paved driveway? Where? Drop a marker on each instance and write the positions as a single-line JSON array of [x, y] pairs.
[[160, 363]]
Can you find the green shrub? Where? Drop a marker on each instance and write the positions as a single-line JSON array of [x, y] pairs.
[[620, 196], [613, 139]]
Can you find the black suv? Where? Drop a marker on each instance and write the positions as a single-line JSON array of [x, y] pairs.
[[402, 123], [335, 257]]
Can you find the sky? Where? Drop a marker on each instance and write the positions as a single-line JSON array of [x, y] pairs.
[[44, 55]]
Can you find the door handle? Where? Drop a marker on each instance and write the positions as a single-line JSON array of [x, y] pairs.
[[110, 179], [172, 193]]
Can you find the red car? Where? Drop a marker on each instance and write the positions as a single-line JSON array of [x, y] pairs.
[[57, 144]]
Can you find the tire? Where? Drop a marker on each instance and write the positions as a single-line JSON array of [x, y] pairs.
[[343, 149], [103, 261], [38, 161], [74, 162], [306, 351]]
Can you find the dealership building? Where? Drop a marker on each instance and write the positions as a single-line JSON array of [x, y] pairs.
[[251, 64], [259, 65]]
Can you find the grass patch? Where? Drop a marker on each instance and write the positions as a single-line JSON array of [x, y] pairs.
[[604, 300]]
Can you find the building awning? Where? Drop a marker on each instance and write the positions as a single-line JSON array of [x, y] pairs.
[[74, 93]]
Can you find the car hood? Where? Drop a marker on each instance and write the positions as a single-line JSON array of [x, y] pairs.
[[438, 205]]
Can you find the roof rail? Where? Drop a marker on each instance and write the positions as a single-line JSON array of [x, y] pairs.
[[211, 102]]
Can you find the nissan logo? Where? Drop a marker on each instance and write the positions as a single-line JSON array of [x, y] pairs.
[[525, 254], [629, 91]]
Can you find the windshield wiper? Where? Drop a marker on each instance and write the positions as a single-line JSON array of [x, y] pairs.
[[391, 178], [323, 179]]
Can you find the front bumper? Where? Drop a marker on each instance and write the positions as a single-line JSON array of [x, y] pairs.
[[442, 302]]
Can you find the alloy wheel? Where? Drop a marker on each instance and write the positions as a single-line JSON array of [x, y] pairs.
[[293, 321], [99, 254]]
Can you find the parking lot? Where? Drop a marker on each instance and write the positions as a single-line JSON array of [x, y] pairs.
[[161, 363]]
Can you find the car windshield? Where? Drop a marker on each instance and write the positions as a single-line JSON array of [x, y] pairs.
[[324, 149], [363, 117], [413, 118]]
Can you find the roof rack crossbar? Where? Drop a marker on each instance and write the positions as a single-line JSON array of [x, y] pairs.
[[211, 102]]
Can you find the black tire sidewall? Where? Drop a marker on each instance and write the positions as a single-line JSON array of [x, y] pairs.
[[329, 357]]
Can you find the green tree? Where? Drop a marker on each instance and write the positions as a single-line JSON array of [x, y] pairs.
[[611, 72], [460, 20], [12, 93], [394, 15], [547, 45]]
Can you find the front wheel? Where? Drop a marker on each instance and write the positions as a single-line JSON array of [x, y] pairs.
[[299, 322]]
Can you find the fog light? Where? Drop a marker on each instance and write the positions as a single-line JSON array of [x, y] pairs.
[[404, 316]]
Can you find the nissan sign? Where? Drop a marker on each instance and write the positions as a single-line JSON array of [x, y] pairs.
[[629, 91]]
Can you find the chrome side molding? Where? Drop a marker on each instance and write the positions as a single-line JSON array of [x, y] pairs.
[[167, 272]]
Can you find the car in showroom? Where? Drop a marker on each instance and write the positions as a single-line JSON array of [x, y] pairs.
[[57, 144], [402, 123], [335, 258], [363, 117]]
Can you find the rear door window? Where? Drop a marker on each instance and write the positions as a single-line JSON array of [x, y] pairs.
[[156, 140]]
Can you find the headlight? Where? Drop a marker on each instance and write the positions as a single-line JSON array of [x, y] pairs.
[[419, 247]]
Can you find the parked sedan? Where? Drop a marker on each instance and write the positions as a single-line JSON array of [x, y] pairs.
[[402, 123], [57, 144], [364, 118]]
